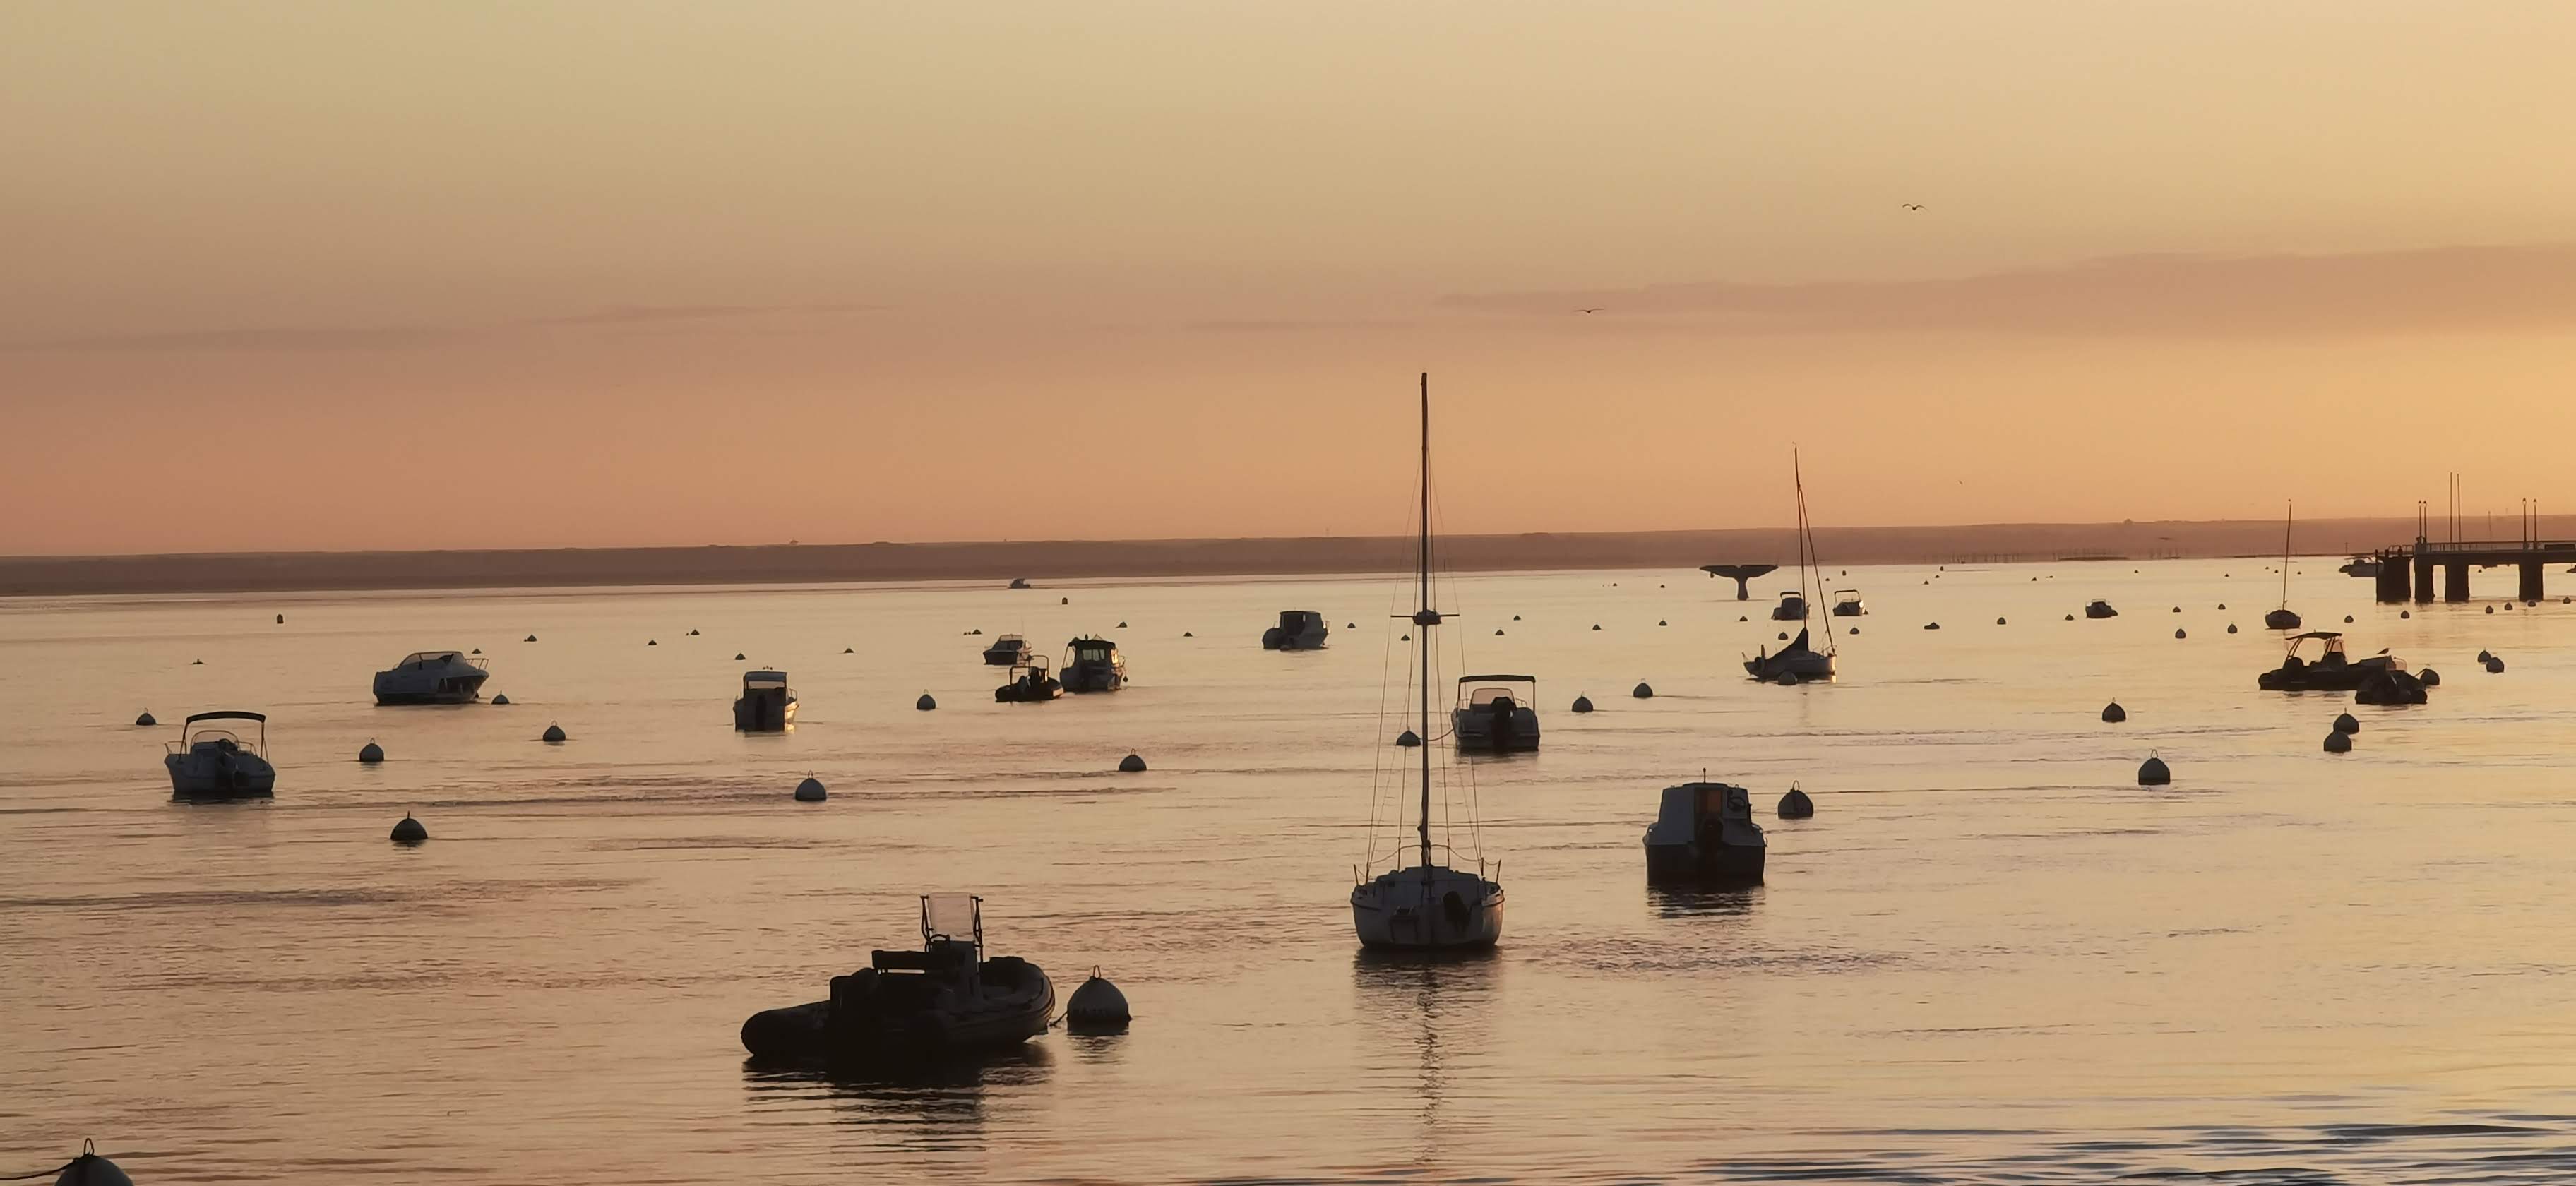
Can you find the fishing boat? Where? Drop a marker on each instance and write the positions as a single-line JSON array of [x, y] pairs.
[[2331, 671], [1847, 604], [1094, 665], [2283, 618], [1494, 713], [218, 763], [1429, 904], [1705, 835], [432, 677], [947, 998], [767, 704], [1298, 630], [2100, 609], [1010, 650], [1799, 661]]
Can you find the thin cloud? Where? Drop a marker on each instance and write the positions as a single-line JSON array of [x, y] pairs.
[[2430, 290], [324, 338]]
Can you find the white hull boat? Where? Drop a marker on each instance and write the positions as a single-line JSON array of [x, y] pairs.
[[219, 763], [432, 677], [1428, 907]]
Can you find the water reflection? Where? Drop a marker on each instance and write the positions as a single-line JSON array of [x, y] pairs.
[[938, 1104], [1699, 901], [1437, 1005]]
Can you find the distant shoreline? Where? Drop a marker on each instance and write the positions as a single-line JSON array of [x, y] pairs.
[[1041, 561]]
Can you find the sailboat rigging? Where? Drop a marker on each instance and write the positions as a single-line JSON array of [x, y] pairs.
[[1427, 905], [1799, 662], [2284, 618]]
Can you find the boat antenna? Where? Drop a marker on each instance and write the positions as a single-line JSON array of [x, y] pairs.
[[1424, 618]]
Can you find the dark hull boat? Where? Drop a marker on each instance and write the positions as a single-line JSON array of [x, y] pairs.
[[1796, 661], [2388, 685], [2333, 672], [944, 999], [1705, 835], [2100, 609], [767, 704], [1010, 650], [432, 677], [1298, 630], [1094, 665]]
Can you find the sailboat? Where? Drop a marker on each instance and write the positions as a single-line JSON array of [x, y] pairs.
[[1797, 662], [2283, 618], [1426, 905]]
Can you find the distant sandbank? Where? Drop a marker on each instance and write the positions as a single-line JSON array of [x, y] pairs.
[[1040, 561]]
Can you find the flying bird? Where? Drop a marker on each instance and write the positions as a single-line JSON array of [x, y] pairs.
[[1593, 309], [1914, 205]]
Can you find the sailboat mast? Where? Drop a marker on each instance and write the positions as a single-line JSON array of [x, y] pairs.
[[2288, 511], [1423, 620]]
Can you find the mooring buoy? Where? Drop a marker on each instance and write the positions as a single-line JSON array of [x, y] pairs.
[[2337, 742], [1131, 764], [2347, 723], [409, 831], [2153, 772], [145, 721], [553, 733], [1408, 739], [1644, 691], [811, 790], [1097, 1005], [371, 753], [1796, 804], [2112, 713], [503, 699], [925, 704]]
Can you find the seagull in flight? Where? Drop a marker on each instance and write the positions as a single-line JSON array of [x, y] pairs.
[[1593, 309], [1914, 205]]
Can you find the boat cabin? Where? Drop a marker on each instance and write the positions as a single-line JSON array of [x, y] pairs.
[[1496, 712], [1298, 630], [2100, 609], [1847, 603], [1704, 832], [767, 705], [1792, 608], [1006, 651], [1094, 665]]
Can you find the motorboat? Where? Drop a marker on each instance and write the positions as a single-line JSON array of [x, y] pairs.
[[1298, 630], [1019, 582], [948, 998], [2100, 609], [2331, 671], [1030, 684], [432, 677], [1489, 716], [1412, 895], [2283, 618], [2361, 565], [1792, 608], [217, 763], [1847, 604], [1705, 834], [1794, 660], [2390, 685], [1094, 665], [1010, 650], [767, 704]]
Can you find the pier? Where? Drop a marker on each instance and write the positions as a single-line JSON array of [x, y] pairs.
[[2406, 573]]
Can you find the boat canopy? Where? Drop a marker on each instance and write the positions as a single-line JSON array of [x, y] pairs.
[[1479, 679], [953, 917], [227, 715], [2317, 634], [426, 657], [764, 679]]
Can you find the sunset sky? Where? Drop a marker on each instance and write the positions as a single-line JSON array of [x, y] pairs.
[[330, 276]]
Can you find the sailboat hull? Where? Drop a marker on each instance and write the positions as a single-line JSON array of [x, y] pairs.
[[1434, 909]]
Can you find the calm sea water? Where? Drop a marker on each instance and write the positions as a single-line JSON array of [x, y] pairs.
[[1990, 957]]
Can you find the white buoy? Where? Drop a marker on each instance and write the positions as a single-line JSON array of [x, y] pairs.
[[410, 831], [1583, 704], [371, 753], [2338, 742], [1131, 764], [925, 704], [145, 721], [2154, 773], [1097, 1004], [1796, 804], [1644, 691], [554, 733], [810, 790]]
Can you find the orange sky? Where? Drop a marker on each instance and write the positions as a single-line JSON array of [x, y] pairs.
[[338, 276]]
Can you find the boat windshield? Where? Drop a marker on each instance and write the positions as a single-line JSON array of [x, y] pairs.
[[951, 916], [1091, 654], [1485, 697], [426, 658]]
